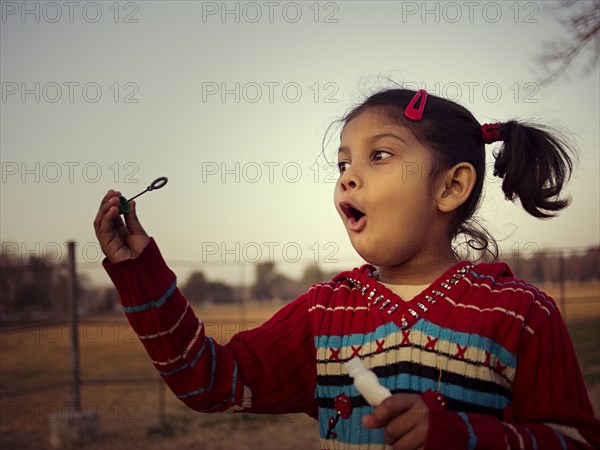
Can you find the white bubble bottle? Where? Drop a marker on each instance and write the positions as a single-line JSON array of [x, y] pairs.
[[366, 382]]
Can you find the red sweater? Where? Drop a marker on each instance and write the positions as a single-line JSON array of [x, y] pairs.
[[496, 349]]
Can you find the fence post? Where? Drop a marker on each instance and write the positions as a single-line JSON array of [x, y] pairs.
[[75, 428], [73, 304]]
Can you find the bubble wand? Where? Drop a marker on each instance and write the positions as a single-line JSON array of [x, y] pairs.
[[156, 184]]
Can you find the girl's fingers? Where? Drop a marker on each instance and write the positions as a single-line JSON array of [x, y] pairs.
[[119, 237], [109, 195], [370, 421], [108, 224], [133, 223], [105, 205], [107, 201], [399, 427], [395, 405], [110, 219]]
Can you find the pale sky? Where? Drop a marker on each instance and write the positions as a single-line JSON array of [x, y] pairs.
[[230, 101]]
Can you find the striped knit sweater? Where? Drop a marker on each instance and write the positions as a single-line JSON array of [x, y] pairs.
[[495, 348]]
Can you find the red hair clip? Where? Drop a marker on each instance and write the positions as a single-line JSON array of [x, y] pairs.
[[490, 132], [416, 113]]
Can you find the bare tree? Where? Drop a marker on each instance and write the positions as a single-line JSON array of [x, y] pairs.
[[582, 20]]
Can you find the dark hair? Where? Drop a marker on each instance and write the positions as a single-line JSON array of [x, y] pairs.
[[533, 161]]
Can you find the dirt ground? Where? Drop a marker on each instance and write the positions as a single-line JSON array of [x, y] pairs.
[[287, 432]]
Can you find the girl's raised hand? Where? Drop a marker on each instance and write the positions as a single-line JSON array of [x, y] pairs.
[[119, 240]]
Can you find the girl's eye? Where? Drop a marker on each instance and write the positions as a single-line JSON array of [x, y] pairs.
[[342, 166], [378, 155]]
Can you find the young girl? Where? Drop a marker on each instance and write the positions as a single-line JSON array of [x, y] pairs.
[[473, 357]]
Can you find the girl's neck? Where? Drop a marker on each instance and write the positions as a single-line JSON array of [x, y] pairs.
[[418, 270]]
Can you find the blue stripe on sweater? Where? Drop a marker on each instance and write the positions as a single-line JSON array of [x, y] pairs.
[[199, 354], [472, 437], [186, 365], [213, 366], [174, 371], [212, 373], [533, 440], [415, 383], [463, 339], [483, 276], [214, 408], [562, 439], [191, 393], [235, 374], [154, 303], [351, 430], [468, 339], [326, 341]]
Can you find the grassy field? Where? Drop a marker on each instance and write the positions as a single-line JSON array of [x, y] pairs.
[[129, 417]]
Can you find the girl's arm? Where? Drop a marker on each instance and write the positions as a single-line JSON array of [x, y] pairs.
[[270, 369], [550, 409]]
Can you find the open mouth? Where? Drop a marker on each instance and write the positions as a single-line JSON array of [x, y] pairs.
[[356, 218]]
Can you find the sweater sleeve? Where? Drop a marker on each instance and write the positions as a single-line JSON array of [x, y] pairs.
[[269, 369], [550, 405]]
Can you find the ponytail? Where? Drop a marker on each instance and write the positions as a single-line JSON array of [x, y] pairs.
[[534, 164]]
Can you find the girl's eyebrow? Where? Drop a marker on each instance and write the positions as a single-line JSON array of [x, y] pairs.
[[382, 135], [345, 149]]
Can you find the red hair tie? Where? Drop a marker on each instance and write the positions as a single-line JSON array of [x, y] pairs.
[[490, 132]]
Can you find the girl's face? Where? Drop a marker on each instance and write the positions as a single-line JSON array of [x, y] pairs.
[[384, 195]]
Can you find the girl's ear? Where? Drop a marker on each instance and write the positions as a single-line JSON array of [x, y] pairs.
[[456, 185]]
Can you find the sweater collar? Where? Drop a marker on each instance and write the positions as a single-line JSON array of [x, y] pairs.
[[406, 313]]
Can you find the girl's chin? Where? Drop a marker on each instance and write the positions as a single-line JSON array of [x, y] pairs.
[[369, 255], [378, 258]]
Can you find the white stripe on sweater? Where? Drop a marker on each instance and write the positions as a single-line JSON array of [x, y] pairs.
[[170, 330], [514, 430], [338, 308], [187, 350], [495, 308], [570, 432], [509, 289]]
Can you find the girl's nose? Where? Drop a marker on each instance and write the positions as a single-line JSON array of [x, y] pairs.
[[349, 180]]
